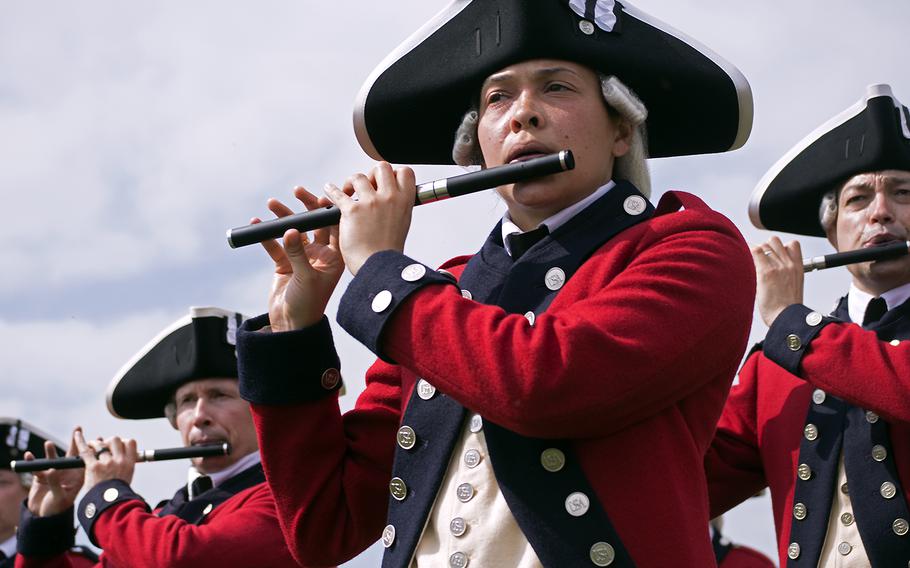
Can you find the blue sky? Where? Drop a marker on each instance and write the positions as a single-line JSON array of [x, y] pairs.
[[132, 135]]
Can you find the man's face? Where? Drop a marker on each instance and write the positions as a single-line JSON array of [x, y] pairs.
[[540, 107], [874, 209], [11, 495], [210, 411]]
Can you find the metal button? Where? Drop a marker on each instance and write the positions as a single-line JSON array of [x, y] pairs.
[[388, 535], [90, 510], [111, 494], [634, 205], [793, 342], [552, 459], [413, 272], [472, 458], [586, 27], [208, 509], [895, 342], [406, 437], [577, 504], [871, 417], [398, 488], [465, 492], [900, 526], [888, 490], [818, 396], [800, 511], [458, 526], [530, 317], [602, 554], [811, 432], [425, 390], [793, 551], [330, 379], [555, 278], [879, 453], [813, 318], [458, 560], [476, 424], [844, 548], [804, 471], [382, 301], [467, 294], [846, 519], [844, 489]]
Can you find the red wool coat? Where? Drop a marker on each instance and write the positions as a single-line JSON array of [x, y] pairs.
[[631, 364], [760, 431], [241, 532]]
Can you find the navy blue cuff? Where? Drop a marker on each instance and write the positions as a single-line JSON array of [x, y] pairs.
[[790, 334], [45, 536], [381, 284], [287, 367], [102, 497]]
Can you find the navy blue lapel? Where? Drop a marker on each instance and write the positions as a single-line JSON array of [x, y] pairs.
[[197, 510]]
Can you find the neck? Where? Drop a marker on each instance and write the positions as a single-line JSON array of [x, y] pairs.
[[6, 533]]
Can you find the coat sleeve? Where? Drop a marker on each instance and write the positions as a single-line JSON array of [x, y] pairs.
[[329, 472], [644, 324], [246, 535], [868, 373], [733, 464]]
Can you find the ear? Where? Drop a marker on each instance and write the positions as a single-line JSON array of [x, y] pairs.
[[622, 142]]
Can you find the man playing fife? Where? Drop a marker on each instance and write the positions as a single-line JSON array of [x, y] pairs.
[[223, 517], [821, 413], [544, 402]]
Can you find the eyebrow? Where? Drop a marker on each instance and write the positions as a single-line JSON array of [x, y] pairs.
[[889, 179], [543, 72]]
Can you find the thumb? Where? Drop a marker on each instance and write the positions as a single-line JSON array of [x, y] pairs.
[[295, 248]]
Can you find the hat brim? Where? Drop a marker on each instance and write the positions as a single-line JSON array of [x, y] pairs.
[[192, 348], [871, 135], [411, 105]]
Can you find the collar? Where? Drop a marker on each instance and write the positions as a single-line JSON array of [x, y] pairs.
[[220, 477], [857, 300], [558, 219], [9, 547]]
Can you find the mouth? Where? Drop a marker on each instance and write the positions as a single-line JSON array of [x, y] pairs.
[[880, 239], [528, 151], [207, 441]]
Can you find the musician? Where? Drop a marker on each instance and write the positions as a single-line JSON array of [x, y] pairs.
[[820, 414], [17, 438], [223, 516], [544, 404]]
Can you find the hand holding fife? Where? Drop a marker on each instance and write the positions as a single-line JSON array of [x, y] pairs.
[[306, 272], [779, 270], [113, 458], [380, 216], [54, 491]]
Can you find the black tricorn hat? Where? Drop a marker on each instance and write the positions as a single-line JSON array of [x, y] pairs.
[[197, 346], [410, 107], [872, 135], [18, 437]]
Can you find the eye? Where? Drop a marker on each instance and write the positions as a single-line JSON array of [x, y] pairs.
[[557, 87]]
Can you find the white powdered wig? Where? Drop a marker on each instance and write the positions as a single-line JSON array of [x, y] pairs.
[[632, 166], [827, 212]]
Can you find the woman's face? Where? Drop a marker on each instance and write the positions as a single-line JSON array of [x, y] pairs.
[[540, 107]]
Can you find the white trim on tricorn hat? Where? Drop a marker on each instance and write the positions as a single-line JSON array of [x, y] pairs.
[[196, 346], [18, 436], [410, 106], [864, 137]]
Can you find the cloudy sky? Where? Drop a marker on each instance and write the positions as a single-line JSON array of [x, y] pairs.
[[132, 135]]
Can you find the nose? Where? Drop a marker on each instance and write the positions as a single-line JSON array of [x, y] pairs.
[[201, 416], [880, 209], [525, 113]]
